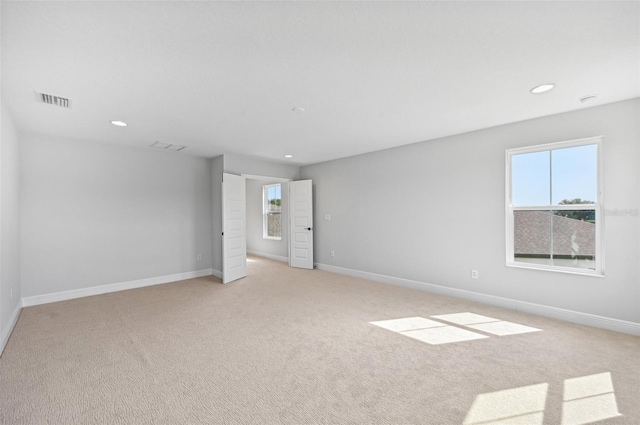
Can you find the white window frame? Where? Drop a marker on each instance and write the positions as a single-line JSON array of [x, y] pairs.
[[598, 207], [265, 212]]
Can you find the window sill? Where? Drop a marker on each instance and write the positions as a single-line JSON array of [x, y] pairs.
[[581, 272], [272, 238]]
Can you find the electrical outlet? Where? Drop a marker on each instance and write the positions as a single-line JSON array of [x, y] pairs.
[[475, 274], [327, 217], [333, 254], [199, 257]]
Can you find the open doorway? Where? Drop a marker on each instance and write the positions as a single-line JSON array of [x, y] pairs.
[[265, 216], [268, 217]]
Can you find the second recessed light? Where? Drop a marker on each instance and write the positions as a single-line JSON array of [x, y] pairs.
[[543, 88], [589, 98], [119, 123]]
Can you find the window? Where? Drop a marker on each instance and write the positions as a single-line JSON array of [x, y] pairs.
[[554, 207], [272, 207]]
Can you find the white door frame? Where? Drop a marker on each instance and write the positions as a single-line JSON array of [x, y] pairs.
[[290, 223], [267, 180]]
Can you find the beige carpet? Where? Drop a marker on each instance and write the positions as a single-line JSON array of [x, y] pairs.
[[290, 346]]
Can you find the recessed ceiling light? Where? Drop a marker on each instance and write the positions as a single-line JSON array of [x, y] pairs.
[[589, 98], [288, 156], [298, 109], [543, 88], [119, 123]]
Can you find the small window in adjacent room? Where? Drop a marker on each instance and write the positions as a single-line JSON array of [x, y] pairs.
[[272, 207], [554, 207]]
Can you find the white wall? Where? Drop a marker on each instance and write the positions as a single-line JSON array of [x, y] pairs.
[[9, 227], [255, 241], [95, 214], [240, 164], [432, 211]]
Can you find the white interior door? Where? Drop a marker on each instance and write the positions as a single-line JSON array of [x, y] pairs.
[[301, 224], [234, 227]]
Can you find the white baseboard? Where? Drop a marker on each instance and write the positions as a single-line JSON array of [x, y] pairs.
[[113, 287], [269, 256], [580, 318], [216, 273], [8, 328]]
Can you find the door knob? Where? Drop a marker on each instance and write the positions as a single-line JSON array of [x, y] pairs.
[[308, 228]]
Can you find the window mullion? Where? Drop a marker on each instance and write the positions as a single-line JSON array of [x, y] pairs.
[[572, 207], [551, 203], [550, 178], [535, 208]]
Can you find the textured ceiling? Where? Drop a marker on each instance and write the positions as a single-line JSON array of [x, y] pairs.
[[223, 77]]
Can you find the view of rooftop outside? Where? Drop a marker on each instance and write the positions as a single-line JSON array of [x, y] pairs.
[[274, 223], [555, 238]]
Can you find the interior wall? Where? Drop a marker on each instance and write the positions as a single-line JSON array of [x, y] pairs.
[[10, 288], [432, 211], [240, 164], [96, 214], [256, 243]]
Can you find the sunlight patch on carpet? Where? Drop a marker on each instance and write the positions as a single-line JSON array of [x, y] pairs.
[[443, 335], [486, 324], [437, 332], [465, 318], [407, 324], [428, 331], [503, 328], [588, 399], [523, 405]]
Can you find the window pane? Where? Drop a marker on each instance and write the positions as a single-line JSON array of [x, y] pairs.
[[574, 239], [274, 200], [272, 217], [575, 175], [532, 237], [274, 225], [530, 179]]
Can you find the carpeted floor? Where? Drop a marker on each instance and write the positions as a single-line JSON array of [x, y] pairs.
[[291, 346]]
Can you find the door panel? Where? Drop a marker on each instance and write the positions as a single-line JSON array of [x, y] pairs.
[[234, 225], [301, 224]]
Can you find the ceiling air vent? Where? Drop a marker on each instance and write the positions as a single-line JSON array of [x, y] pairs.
[[167, 146], [54, 100]]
